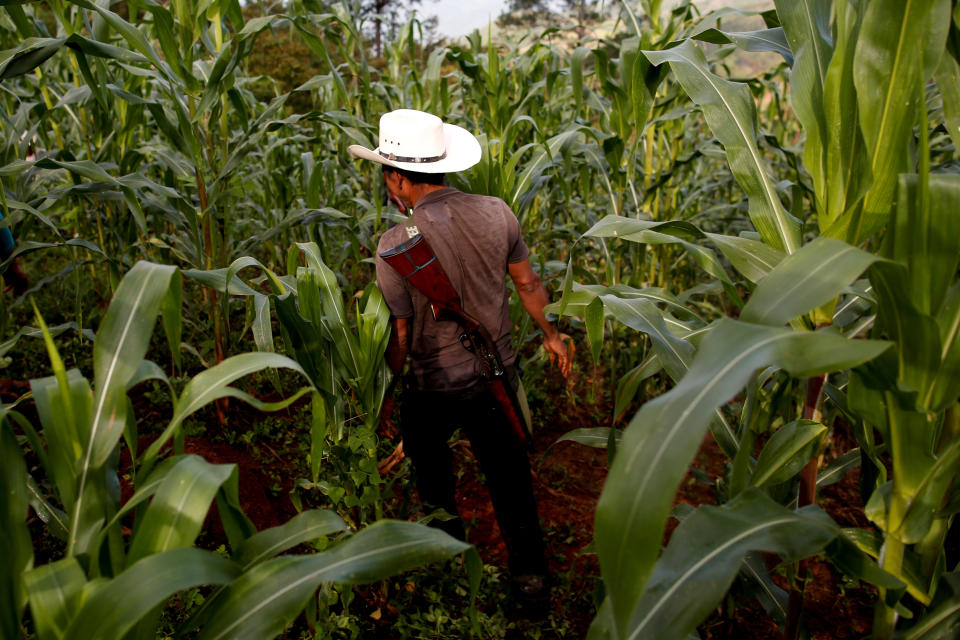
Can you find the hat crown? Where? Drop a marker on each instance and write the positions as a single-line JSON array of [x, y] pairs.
[[411, 135]]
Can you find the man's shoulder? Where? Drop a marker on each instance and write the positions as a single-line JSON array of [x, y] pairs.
[[390, 238], [478, 198], [474, 205]]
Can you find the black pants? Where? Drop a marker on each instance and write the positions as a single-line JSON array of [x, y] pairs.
[[428, 419]]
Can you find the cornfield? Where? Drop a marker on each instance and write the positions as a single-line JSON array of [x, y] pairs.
[[767, 262]]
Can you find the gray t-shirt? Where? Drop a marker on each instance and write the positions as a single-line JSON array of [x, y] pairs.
[[474, 238]]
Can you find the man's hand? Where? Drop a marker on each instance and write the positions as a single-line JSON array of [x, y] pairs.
[[387, 428], [560, 348]]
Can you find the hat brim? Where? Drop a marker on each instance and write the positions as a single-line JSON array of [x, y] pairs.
[[463, 151]]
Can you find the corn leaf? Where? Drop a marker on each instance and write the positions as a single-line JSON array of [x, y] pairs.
[[55, 592], [812, 276], [729, 110], [662, 438], [786, 452], [270, 595], [178, 508], [122, 341], [897, 51], [211, 384], [706, 552], [110, 609], [806, 24], [753, 259], [302, 528], [756, 41], [14, 535]]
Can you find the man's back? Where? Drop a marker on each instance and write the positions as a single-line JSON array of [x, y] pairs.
[[474, 238]]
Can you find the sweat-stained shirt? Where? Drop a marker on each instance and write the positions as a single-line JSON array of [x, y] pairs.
[[474, 238]]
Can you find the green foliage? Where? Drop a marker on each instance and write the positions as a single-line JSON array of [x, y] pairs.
[[143, 142]]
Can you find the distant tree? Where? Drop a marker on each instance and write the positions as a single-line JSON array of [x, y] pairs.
[[281, 55], [390, 14], [530, 12]]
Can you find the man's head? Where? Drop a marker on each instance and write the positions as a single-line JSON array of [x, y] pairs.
[[421, 143], [407, 187]]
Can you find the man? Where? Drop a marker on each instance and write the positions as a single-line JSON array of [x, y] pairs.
[[477, 241]]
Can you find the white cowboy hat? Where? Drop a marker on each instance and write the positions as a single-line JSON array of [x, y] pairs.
[[419, 141]]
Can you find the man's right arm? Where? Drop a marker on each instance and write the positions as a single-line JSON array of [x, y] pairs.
[[535, 298]]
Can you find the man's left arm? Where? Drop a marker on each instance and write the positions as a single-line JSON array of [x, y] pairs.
[[534, 297]]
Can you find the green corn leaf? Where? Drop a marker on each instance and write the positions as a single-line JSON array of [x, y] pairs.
[[812, 276], [594, 321], [27, 56], [940, 621], [946, 386], [65, 432], [582, 295], [217, 279], [924, 497], [927, 238], [576, 75], [729, 110], [179, 506], [216, 83], [786, 452], [675, 353], [855, 563], [670, 232], [122, 341], [916, 334], [774, 600], [302, 528], [706, 551], [846, 152], [236, 524], [836, 469], [751, 258], [211, 384], [56, 519], [662, 438], [112, 608], [591, 436], [756, 41], [807, 27], [869, 542], [540, 161], [948, 81], [55, 592], [306, 343], [145, 490], [14, 535], [165, 31], [171, 315], [132, 35], [270, 595], [262, 327], [629, 383], [898, 48], [246, 262]]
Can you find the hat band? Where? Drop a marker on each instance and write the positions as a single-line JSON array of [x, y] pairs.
[[395, 158]]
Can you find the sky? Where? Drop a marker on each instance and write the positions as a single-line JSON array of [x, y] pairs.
[[459, 17]]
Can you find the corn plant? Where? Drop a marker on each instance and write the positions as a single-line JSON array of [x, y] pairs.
[[902, 389], [342, 356], [106, 586]]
